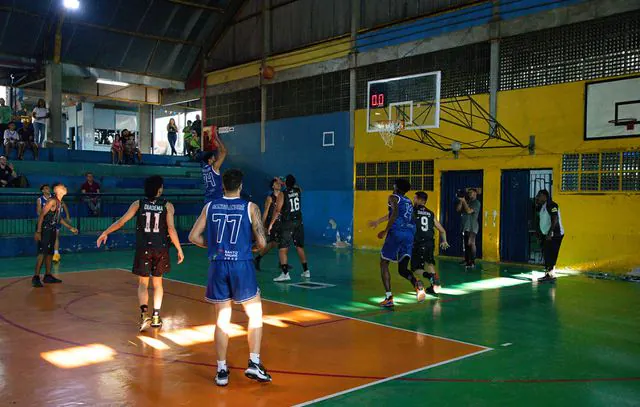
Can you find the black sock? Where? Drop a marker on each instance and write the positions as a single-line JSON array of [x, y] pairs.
[[284, 268], [144, 308], [305, 267], [156, 311]]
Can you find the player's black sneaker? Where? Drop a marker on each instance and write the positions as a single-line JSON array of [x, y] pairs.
[[49, 279], [156, 321], [35, 282], [257, 372], [548, 278], [222, 377]]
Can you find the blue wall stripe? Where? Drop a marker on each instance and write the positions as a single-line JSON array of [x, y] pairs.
[[453, 21]]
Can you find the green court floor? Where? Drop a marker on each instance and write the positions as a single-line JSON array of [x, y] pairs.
[[575, 343]]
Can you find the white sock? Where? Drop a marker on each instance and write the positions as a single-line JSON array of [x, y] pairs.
[[55, 252], [255, 358], [222, 365], [388, 294]]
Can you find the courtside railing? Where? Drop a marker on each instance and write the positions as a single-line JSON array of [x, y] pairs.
[[18, 216]]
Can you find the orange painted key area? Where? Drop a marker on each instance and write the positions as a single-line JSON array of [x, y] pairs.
[[78, 342]]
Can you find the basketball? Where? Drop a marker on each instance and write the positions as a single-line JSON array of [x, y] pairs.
[[268, 72]]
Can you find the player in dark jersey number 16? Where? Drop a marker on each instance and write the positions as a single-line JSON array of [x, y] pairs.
[[211, 177], [289, 213], [424, 241], [46, 233], [230, 224], [154, 227]]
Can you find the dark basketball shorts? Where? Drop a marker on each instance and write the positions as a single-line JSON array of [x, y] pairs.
[[276, 231], [47, 241], [151, 262], [422, 255], [291, 232], [231, 280]]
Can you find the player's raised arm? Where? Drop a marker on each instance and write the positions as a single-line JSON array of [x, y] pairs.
[[131, 212], [173, 235], [258, 227], [196, 236], [277, 210], [222, 154]]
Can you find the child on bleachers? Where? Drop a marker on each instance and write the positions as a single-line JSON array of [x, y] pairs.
[[116, 149], [27, 141]]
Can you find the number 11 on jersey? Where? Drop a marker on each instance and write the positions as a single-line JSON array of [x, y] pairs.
[[156, 222]]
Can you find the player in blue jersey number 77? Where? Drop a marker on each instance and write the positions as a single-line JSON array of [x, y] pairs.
[[211, 177], [398, 243], [231, 224]]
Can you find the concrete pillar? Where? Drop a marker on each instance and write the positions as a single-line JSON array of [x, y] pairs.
[[353, 65], [53, 73], [266, 50], [144, 128], [494, 67]]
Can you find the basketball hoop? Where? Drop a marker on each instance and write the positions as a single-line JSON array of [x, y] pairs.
[[629, 123], [388, 130]]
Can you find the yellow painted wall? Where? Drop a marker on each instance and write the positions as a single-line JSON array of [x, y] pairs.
[[321, 52], [602, 230]]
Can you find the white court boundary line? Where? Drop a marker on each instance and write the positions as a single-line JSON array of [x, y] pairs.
[[374, 383], [388, 379], [351, 390]]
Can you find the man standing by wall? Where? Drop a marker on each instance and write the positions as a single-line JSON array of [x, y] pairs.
[[469, 208], [552, 233]]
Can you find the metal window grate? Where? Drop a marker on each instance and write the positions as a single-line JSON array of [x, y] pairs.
[[465, 71], [603, 172], [235, 108], [380, 176], [593, 49], [325, 93]]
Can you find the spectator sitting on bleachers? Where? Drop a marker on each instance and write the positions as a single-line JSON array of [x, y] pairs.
[[194, 145], [91, 191], [11, 139], [9, 178], [116, 149], [27, 141], [131, 150]]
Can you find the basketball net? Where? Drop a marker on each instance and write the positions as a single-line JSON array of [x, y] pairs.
[[388, 129]]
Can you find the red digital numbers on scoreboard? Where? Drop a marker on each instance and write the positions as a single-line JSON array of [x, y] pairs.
[[377, 100]]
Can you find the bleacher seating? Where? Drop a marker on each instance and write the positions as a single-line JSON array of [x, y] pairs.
[[120, 185]]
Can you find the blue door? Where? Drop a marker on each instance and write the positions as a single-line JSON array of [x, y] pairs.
[[515, 205], [451, 182]]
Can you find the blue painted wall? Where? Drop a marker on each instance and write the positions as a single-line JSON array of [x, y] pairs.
[[453, 21], [294, 146]]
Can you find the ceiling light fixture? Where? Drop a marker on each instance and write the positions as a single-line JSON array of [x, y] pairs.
[[109, 82], [71, 4]]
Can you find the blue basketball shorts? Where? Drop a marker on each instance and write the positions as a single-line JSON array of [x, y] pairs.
[[231, 280], [397, 245]]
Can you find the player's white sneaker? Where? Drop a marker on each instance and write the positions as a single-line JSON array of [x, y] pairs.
[[306, 274], [282, 277]]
